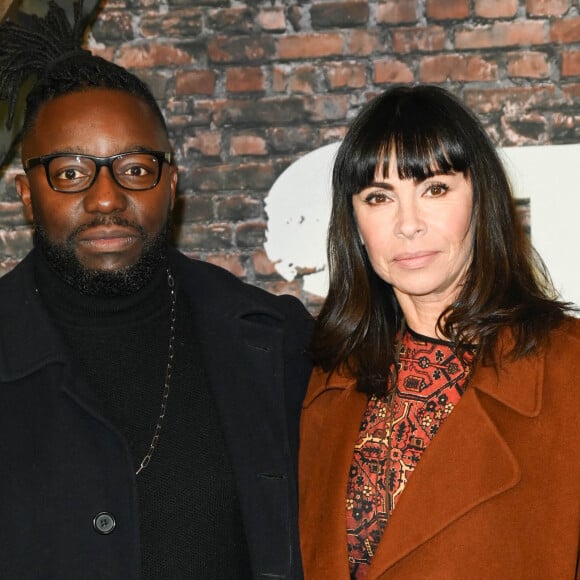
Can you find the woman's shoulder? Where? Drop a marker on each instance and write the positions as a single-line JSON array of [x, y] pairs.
[[568, 331], [322, 381]]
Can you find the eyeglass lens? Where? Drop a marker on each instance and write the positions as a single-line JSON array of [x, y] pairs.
[[75, 172]]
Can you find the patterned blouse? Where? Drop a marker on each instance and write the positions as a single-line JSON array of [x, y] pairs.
[[394, 433]]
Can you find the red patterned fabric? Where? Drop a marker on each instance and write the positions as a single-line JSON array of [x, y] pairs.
[[430, 382]]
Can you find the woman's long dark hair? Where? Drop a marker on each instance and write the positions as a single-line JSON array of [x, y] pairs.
[[429, 131]]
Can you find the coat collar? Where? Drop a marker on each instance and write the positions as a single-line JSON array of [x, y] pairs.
[[29, 340], [503, 384]]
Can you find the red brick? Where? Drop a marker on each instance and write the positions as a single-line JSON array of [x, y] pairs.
[[303, 80], [501, 34], [262, 265], [16, 243], [176, 23], [547, 7], [528, 64], [328, 107], [565, 31], [202, 236], [519, 98], [230, 262], [424, 39], [448, 9], [194, 208], [152, 55], [280, 75], [251, 234], [282, 110], [282, 287], [208, 143], [230, 20], [456, 67], [245, 80], [247, 145], [7, 265], [11, 212], [341, 14], [293, 139], [238, 208], [114, 26], [397, 11], [229, 49], [195, 82], [345, 75], [362, 42], [496, 9], [332, 134], [391, 71], [233, 176], [571, 63], [524, 129], [567, 125], [296, 46], [571, 92], [272, 19]]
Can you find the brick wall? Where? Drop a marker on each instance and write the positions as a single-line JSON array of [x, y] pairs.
[[248, 87]]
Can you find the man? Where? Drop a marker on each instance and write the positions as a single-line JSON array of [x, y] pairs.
[[148, 403]]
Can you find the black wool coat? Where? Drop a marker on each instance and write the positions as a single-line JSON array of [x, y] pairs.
[[62, 463]]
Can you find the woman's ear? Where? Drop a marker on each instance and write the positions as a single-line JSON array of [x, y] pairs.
[[23, 189]]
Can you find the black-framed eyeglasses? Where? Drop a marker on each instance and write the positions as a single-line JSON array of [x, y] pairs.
[[73, 173]]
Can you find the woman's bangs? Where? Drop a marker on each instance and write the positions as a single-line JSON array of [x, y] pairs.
[[421, 154]]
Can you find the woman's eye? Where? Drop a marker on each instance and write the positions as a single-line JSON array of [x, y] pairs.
[[437, 189], [375, 197]]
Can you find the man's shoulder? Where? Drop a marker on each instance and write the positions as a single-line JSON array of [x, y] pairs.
[[19, 277], [216, 285]]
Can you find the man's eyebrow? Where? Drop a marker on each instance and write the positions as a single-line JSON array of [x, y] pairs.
[[83, 151]]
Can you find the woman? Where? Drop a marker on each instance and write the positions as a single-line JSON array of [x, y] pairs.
[[440, 429]]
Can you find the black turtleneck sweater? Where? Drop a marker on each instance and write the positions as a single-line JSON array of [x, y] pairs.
[[191, 525]]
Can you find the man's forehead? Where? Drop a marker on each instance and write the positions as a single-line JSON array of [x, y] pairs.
[[95, 121]]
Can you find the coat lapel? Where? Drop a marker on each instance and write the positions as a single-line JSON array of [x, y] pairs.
[[466, 464]]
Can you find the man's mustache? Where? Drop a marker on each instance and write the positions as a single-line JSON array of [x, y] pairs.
[[107, 221]]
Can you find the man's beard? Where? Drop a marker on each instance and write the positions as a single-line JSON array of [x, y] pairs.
[[122, 282]]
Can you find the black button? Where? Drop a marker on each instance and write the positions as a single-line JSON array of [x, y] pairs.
[[104, 523]]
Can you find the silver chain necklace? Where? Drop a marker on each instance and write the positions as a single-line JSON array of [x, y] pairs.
[[167, 384]]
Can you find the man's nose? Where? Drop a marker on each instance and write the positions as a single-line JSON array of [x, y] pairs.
[[105, 195]]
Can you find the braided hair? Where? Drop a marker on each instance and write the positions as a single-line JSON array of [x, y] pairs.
[[50, 50]]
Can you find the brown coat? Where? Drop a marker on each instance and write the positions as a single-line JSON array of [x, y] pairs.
[[495, 496]]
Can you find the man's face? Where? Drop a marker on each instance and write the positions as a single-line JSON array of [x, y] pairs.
[[107, 231]]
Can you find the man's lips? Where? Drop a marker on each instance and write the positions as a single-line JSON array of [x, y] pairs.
[[108, 238]]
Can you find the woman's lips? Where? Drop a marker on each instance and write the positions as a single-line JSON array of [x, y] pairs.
[[414, 260]]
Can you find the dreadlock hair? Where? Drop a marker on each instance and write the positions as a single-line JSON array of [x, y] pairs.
[[50, 49]]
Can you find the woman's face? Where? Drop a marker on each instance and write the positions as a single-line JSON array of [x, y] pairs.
[[418, 235]]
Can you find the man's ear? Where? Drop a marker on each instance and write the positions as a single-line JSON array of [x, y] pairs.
[[173, 176], [23, 189]]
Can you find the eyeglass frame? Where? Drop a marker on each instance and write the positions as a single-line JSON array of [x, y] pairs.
[[44, 160]]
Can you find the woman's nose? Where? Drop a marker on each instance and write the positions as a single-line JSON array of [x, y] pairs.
[[409, 220]]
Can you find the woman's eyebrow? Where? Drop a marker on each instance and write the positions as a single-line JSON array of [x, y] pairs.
[[381, 184]]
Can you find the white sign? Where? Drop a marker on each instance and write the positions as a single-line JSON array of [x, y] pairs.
[[299, 203]]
